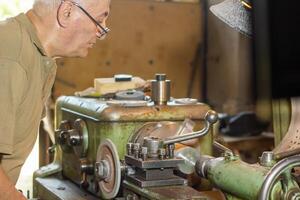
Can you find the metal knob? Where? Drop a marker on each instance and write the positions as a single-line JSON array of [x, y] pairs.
[[62, 137], [267, 159], [75, 138], [211, 116]]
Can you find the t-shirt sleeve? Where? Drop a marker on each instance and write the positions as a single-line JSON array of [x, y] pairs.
[[12, 82]]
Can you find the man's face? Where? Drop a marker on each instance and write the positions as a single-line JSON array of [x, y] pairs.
[[81, 33]]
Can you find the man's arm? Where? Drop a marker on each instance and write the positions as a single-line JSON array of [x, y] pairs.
[[7, 189], [13, 79]]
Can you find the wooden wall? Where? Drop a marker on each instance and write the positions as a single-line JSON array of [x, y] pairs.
[[146, 37], [149, 37]]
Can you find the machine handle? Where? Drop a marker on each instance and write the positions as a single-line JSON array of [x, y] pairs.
[[211, 117], [277, 170]]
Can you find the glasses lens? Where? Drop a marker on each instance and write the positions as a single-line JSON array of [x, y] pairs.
[[102, 32]]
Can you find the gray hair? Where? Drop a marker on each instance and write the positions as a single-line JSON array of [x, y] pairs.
[[44, 7]]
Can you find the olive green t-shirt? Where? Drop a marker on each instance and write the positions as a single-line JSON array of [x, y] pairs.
[[26, 79]]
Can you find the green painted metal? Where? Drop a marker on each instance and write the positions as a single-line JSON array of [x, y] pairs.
[[243, 181], [116, 123], [237, 177], [288, 184]]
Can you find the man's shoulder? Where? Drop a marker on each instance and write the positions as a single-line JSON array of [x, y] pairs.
[[11, 39], [15, 40]]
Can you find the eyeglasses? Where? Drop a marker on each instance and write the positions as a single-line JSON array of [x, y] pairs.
[[104, 30]]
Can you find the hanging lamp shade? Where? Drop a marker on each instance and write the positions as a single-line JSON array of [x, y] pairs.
[[236, 14]]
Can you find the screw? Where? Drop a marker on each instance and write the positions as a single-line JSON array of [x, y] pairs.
[[161, 153], [144, 153], [129, 148], [136, 149], [171, 148]]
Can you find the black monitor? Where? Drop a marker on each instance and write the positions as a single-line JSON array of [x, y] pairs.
[[276, 39]]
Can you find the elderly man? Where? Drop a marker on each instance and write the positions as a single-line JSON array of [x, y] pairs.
[[30, 43]]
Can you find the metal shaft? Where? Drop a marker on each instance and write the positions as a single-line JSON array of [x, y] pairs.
[[161, 90]]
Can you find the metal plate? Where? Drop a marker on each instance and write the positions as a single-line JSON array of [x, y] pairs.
[[290, 144], [155, 129], [109, 188], [153, 163], [186, 101], [165, 129], [127, 103], [175, 180], [130, 95]]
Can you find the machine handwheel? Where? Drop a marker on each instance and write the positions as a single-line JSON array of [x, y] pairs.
[[107, 153], [282, 170]]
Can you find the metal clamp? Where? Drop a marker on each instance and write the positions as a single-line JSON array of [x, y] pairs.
[[211, 117]]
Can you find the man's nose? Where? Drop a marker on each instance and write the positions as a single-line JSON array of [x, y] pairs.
[[100, 32], [103, 24]]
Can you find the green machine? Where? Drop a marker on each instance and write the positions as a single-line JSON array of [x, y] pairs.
[[128, 147], [124, 146]]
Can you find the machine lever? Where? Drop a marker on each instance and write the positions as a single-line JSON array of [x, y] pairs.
[[211, 117]]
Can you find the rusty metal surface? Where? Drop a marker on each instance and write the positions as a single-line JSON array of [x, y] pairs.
[[100, 111], [105, 153], [110, 186], [52, 188], [173, 192], [179, 192], [160, 130]]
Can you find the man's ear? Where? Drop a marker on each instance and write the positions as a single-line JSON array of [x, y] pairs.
[[64, 12]]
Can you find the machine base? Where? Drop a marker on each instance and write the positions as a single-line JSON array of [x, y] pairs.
[[53, 188], [131, 191]]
